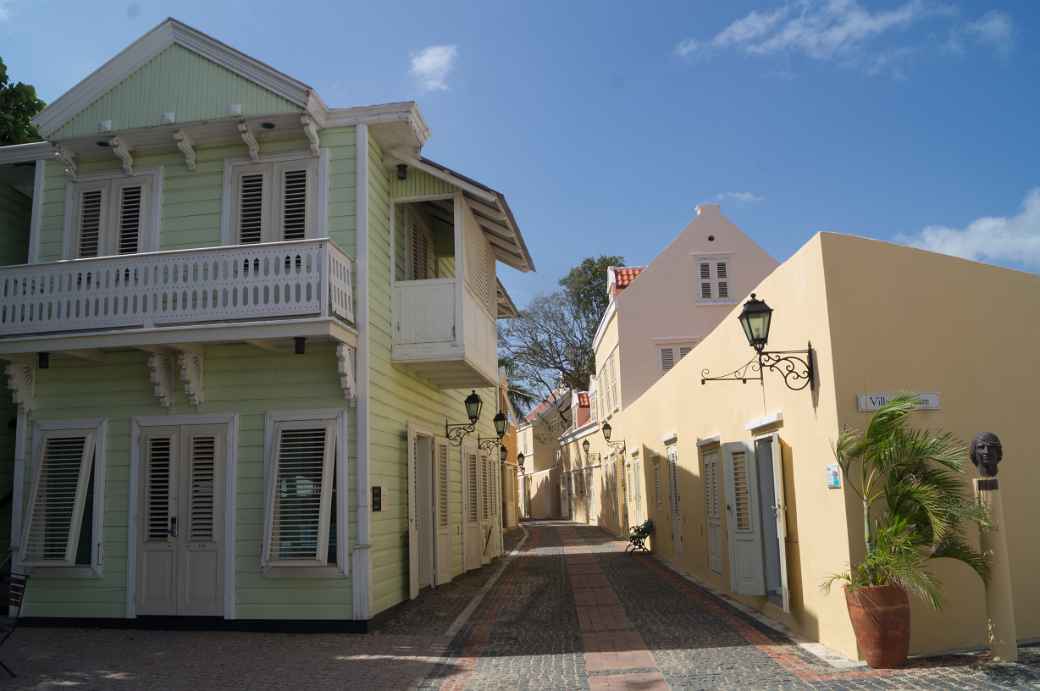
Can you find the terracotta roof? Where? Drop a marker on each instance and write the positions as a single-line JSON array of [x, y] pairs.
[[583, 399], [624, 275], [545, 405]]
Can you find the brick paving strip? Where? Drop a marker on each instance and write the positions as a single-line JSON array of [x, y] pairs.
[[615, 655]]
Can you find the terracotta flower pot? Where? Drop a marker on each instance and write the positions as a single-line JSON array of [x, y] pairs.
[[881, 619]]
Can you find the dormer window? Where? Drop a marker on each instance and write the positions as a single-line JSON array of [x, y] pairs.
[[111, 215]]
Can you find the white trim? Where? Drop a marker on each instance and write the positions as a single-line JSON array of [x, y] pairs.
[[669, 438], [710, 440], [22, 153], [602, 327], [383, 113], [339, 415], [96, 567], [765, 421], [589, 428], [169, 32], [321, 219], [36, 218], [360, 605], [230, 488]]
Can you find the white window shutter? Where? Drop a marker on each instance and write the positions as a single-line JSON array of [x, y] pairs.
[[251, 200], [684, 351], [90, 221], [295, 199], [58, 498], [442, 483], [300, 493], [202, 490], [667, 359], [160, 488], [130, 216]]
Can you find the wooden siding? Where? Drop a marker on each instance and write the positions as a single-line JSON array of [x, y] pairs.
[[176, 80], [191, 200], [418, 184], [238, 379], [15, 212], [395, 398]]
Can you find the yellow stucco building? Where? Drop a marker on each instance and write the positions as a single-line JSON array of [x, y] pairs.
[[715, 464]]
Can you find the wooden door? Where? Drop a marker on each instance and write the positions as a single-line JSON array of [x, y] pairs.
[[774, 518], [713, 510], [484, 503], [674, 501], [413, 526], [747, 576], [157, 527]]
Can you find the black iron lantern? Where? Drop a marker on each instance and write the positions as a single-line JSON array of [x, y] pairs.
[[502, 454], [755, 319], [606, 430], [520, 459], [585, 446], [473, 407], [500, 424]]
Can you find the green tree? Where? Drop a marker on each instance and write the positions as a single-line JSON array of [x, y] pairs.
[[18, 105], [550, 342]]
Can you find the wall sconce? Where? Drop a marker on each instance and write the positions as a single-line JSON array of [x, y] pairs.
[[457, 432], [607, 430], [489, 443], [502, 454], [520, 461], [798, 372], [585, 446]]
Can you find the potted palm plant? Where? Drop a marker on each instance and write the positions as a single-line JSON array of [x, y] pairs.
[[915, 508]]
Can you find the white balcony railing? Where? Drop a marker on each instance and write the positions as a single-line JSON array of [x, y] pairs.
[[306, 278]]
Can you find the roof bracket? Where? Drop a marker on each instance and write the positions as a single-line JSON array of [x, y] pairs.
[[250, 140], [21, 380], [69, 159], [345, 365], [121, 151], [191, 367], [311, 130], [187, 147], [160, 373]]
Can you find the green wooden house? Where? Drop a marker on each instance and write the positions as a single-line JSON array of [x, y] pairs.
[[234, 325]]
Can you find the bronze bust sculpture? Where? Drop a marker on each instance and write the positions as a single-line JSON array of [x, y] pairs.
[[986, 452]]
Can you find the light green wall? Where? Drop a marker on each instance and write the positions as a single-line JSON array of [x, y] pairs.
[[176, 80], [191, 200], [15, 214], [395, 398], [418, 184], [238, 378]]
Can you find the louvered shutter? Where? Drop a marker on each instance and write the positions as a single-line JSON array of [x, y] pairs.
[[91, 218], [657, 483], [442, 485], [55, 512], [300, 495], [667, 358], [294, 204], [684, 351], [130, 217], [485, 504], [706, 291], [471, 499], [251, 207], [741, 491], [160, 489], [202, 488], [722, 276], [673, 470]]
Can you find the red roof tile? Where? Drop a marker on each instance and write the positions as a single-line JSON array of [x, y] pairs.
[[624, 275], [583, 399]]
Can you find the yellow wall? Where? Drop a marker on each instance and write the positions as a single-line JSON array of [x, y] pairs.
[[905, 319]]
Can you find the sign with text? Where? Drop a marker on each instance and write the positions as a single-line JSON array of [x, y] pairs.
[[869, 402]]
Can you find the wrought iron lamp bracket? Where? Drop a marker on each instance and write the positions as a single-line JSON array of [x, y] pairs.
[[618, 446], [488, 443], [795, 366], [456, 433]]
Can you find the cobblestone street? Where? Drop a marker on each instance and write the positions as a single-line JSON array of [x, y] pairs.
[[570, 611]]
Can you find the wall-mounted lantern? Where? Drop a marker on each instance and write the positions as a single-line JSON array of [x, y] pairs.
[[488, 443], [520, 461], [585, 446], [457, 432], [756, 319], [607, 431], [502, 454]]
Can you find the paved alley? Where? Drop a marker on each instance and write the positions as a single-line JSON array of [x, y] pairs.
[[571, 610]]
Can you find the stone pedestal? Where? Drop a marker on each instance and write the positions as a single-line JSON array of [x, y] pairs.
[[1000, 608]]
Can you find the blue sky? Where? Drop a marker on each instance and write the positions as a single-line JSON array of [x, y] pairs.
[[606, 123]]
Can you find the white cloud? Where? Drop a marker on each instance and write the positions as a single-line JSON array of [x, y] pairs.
[[999, 239], [740, 197], [876, 40], [432, 65]]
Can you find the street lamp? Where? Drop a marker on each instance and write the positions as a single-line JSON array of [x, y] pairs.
[[798, 372], [520, 461], [502, 454], [457, 432], [585, 446], [488, 443], [607, 431]]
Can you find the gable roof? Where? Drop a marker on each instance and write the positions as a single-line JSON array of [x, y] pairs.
[[140, 52]]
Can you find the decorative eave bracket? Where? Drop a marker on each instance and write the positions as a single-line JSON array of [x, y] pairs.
[[250, 141], [191, 368], [311, 130], [187, 147], [68, 159], [121, 151], [346, 363], [160, 373], [21, 379]]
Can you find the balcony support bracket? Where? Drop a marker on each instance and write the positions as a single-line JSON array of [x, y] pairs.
[[160, 373], [122, 152], [21, 379], [311, 130], [187, 147], [191, 368], [250, 141], [345, 363]]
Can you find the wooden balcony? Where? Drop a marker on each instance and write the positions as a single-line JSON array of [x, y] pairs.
[[444, 333], [265, 292]]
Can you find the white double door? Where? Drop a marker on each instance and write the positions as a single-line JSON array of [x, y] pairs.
[[180, 543], [429, 531]]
